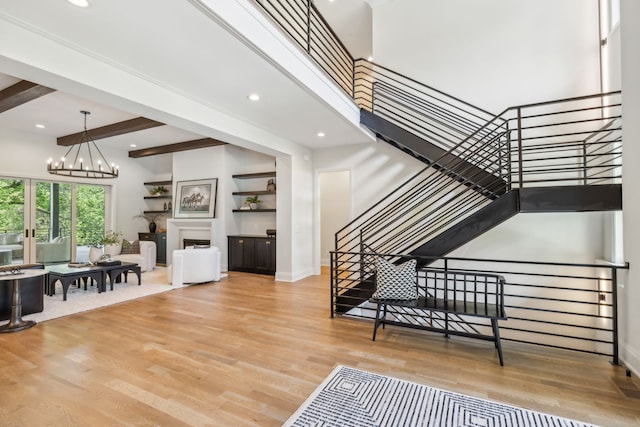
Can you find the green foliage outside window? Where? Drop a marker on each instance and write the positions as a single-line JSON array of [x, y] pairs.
[[11, 206], [90, 205]]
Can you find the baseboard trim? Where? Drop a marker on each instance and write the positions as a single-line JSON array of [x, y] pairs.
[[631, 360], [294, 277]]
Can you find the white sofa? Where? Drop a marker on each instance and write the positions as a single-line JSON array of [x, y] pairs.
[[13, 242], [57, 250], [146, 259], [194, 265]]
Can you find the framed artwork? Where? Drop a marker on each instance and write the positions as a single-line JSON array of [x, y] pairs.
[[196, 199]]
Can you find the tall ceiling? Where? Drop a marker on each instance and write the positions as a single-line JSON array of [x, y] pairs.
[[177, 46]]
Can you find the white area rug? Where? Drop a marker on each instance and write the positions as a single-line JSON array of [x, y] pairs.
[[79, 300], [352, 398]]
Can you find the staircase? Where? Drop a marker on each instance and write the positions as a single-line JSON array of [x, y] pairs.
[[558, 156], [481, 169]]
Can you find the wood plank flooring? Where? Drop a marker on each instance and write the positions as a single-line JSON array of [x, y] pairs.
[[247, 351]]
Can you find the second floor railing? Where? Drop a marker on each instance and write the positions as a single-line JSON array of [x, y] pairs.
[[302, 21]]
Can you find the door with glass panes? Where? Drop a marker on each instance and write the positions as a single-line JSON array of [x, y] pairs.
[[49, 222]]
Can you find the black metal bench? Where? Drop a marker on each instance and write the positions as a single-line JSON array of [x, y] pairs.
[[455, 294]]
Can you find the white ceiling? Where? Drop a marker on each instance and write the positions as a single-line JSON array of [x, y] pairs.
[[176, 44]]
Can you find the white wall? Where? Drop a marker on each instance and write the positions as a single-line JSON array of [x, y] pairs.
[[630, 290], [302, 224], [376, 169], [335, 208], [492, 53], [548, 237]]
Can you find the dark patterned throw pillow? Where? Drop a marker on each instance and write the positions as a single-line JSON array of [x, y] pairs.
[[130, 247], [395, 281]]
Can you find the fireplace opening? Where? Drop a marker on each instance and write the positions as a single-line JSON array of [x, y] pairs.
[[195, 242]]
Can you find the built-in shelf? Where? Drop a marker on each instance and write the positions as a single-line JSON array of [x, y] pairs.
[[158, 212], [156, 207], [255, 175], [159, 183], [244, 192], [252, 193]]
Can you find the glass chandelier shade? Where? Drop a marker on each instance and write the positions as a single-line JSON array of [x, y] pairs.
[[83, 159]]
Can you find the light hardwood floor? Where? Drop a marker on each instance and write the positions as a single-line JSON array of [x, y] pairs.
[[247, 351]]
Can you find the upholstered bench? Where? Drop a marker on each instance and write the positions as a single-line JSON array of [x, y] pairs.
[[402, 297]]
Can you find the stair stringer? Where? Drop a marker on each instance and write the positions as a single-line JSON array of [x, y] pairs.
[[461, 170], [607, 197]]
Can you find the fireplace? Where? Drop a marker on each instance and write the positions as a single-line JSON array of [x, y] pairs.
[[194, 230], [194, 242]]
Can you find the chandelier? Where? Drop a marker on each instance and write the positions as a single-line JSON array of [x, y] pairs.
[[87, 161]]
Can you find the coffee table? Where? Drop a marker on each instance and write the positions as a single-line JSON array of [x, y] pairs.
[[68, 275], [115, 272]]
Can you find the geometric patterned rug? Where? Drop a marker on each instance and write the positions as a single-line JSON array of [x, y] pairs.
[[352, 398]]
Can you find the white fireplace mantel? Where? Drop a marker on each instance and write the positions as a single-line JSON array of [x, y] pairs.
[[201, 228]]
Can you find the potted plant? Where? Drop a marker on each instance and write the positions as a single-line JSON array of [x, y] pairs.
[[112, 241], [253, 202], [159, 190], [152, 219]]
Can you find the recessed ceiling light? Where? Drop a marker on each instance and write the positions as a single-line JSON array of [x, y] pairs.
[[370, 58], [133, 145], [79, 3], [39, 126], [320, 134], [254, 97]]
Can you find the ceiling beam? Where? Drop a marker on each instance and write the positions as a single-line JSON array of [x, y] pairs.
[[21, 93], [115, 129], [173, 148]]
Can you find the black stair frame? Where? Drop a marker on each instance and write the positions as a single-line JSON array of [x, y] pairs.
[[433, 155]]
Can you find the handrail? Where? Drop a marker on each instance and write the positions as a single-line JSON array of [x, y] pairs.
[[418, 83], [535, 294], [306, 26], [574, 141]]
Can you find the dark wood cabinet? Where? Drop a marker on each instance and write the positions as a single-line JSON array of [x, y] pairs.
[[252, 254], [161, 245], [265, 255]]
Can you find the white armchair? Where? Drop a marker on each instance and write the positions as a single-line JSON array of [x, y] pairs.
[[146, 259], [194, 265]]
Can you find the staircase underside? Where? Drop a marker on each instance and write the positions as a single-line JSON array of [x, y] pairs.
[[541, 199], [429, 153]]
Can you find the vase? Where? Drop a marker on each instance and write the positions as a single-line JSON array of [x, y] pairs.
[[152, 227], [112, 249], [94, 254]]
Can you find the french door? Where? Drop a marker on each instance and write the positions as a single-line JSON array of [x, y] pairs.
[[49, 222]]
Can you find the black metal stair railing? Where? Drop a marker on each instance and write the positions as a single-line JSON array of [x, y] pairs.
[[571, 142], [429, 113], [561, 305], [302, 21], [576, 141], [437, 117]]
